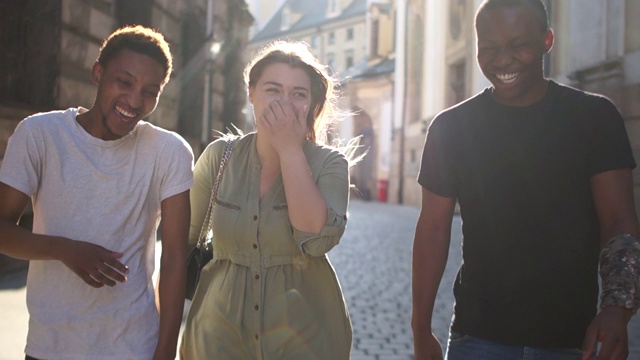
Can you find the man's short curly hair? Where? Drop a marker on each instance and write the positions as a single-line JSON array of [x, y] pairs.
[[140, 39], [536, 6]]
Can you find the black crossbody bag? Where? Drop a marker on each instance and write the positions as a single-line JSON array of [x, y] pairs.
[[202, 253]]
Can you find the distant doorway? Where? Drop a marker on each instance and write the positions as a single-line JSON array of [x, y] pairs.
[[363, 176]]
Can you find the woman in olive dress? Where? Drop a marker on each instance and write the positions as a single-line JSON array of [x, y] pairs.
[[270, 291]]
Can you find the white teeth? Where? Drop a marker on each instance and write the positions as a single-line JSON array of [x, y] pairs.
[[124, 112], [507, 78]]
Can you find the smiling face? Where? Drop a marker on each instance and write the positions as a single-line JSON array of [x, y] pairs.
[[510, 50], [129, 86], [280, 81]]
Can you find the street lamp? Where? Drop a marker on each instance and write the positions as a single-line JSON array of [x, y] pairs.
[[212, 53], [214, 49]]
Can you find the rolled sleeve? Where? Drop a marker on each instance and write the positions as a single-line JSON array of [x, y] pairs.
[[329, 236], [332, 180]]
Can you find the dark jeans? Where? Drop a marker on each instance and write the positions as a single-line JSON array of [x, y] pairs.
[[465, 347]]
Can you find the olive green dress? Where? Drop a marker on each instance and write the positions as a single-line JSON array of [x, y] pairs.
[[270, 292]]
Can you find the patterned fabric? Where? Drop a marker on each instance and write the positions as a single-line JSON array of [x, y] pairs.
[[620, 272]]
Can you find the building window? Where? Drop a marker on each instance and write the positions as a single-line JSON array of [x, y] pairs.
[[314, 42], [334, 7], [332, 38], [395, 30], [457, 83], [348, 60], [457, 10], [349, 34], [285, 21], [375, 28], [603, 40], [331, 62], [415, 63]]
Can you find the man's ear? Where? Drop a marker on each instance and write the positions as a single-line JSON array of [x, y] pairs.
[[96, 73], [548, 40]]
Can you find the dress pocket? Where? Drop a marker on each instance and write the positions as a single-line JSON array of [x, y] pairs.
[[225, 223], [281, 207]]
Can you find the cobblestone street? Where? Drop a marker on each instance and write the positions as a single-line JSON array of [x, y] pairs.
[[373, 262]]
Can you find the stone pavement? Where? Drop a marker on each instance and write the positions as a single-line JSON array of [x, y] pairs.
[[373, 263]]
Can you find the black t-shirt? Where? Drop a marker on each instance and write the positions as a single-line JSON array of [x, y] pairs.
[[531, 236]]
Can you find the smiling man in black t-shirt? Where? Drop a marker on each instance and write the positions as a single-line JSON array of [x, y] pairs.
[[542, 174]]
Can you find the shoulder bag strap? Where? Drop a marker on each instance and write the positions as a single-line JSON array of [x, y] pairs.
[[203, 242]]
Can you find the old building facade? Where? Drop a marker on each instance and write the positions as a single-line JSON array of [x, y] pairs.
[[607, 60], [334, 29], [369, 87]]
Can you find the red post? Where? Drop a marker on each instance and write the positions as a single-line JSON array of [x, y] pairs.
[[383, 188]]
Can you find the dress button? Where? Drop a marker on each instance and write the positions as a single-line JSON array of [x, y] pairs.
[[257, 337], [255, 246], [257, 276], [256, 307], [255, 217]]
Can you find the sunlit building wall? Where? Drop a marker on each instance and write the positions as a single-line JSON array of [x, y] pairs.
[[607, 60]]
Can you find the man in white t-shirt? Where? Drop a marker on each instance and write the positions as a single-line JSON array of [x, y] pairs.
[[100, 180]]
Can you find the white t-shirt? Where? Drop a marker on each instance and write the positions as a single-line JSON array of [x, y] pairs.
[[106, 193]]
